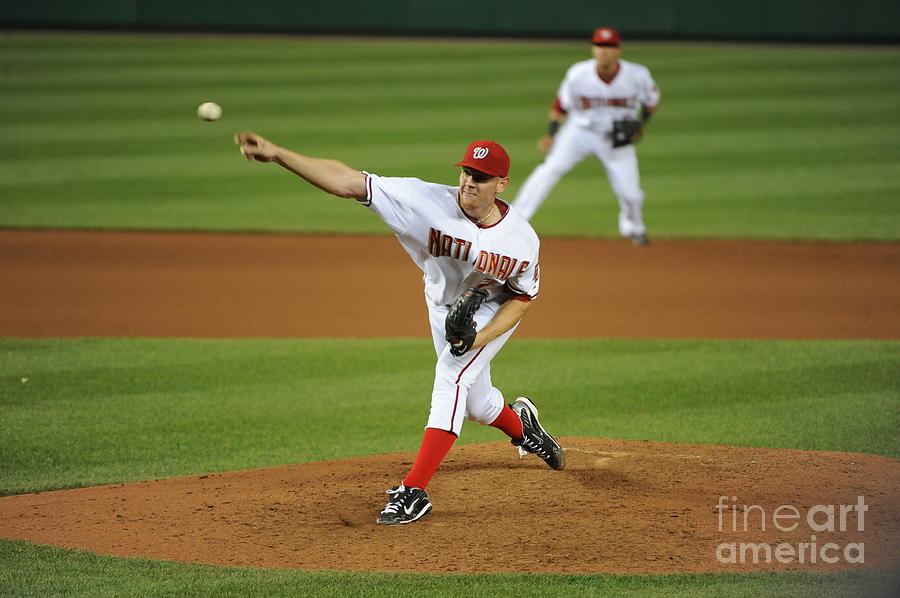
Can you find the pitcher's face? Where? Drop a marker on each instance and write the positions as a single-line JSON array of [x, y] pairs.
[[478, 189]]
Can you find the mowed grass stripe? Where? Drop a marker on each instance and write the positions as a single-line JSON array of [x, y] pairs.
[[85, 115], [95, 411]]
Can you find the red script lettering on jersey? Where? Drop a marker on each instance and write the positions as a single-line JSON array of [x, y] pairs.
[[441, 245], [587, 102], [497, 265]]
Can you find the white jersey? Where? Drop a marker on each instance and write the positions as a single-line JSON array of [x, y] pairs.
[[453, 252], [594, 104]]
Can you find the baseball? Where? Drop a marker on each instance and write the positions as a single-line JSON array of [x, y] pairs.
[[209, 111]]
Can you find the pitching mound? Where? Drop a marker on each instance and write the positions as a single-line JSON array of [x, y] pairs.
[[619, 507]]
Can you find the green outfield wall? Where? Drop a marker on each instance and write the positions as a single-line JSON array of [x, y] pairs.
[[807, 20]]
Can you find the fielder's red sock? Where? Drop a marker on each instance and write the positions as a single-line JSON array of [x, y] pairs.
[[509, 422], [435, 446]]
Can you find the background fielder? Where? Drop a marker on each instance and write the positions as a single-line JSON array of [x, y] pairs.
[[593, 95], [462, 238]]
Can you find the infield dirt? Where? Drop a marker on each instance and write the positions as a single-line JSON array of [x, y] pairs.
[[619, 507], [70, 283]]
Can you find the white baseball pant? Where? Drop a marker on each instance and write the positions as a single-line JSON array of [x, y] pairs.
[[462, 385], [572, 145]]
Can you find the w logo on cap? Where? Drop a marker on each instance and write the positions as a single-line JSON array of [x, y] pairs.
[[486, 156], [606, 36]]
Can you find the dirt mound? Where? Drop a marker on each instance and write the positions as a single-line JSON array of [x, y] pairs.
[[619, 507]]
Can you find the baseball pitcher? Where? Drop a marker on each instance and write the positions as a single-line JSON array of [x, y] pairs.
[[481, 271]]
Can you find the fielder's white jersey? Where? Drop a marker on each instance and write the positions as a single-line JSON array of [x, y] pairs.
[[453, 252], [594, 104]]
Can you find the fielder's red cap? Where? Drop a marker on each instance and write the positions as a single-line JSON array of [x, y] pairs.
[[606, 36], [487, 156]]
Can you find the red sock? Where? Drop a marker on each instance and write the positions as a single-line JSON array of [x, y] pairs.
[[435, 446], [509, 422]]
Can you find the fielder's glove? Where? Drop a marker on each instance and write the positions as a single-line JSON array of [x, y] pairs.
[[624, 132], [460, 323]]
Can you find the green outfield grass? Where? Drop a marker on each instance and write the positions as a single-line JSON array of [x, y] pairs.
[[753, 141], [82, 412]]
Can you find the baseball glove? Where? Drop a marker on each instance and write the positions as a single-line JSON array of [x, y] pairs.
[[460, 323], [624, 132]]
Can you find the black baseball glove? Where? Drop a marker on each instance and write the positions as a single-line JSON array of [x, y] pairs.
[[624, 131], [460, 323]]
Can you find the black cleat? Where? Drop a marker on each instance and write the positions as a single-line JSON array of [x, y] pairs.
[[535, 439], [641, 239], [405, 506]]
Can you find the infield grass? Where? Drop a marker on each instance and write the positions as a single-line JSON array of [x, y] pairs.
[[39, 571], [752, 141], [82, 412]]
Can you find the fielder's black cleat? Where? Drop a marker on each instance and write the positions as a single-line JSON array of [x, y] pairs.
[[641, 239], [405, 506], [535, 439]]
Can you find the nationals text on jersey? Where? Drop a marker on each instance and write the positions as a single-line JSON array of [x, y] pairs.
[[499, 266], [440, 245], [587, 102]]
